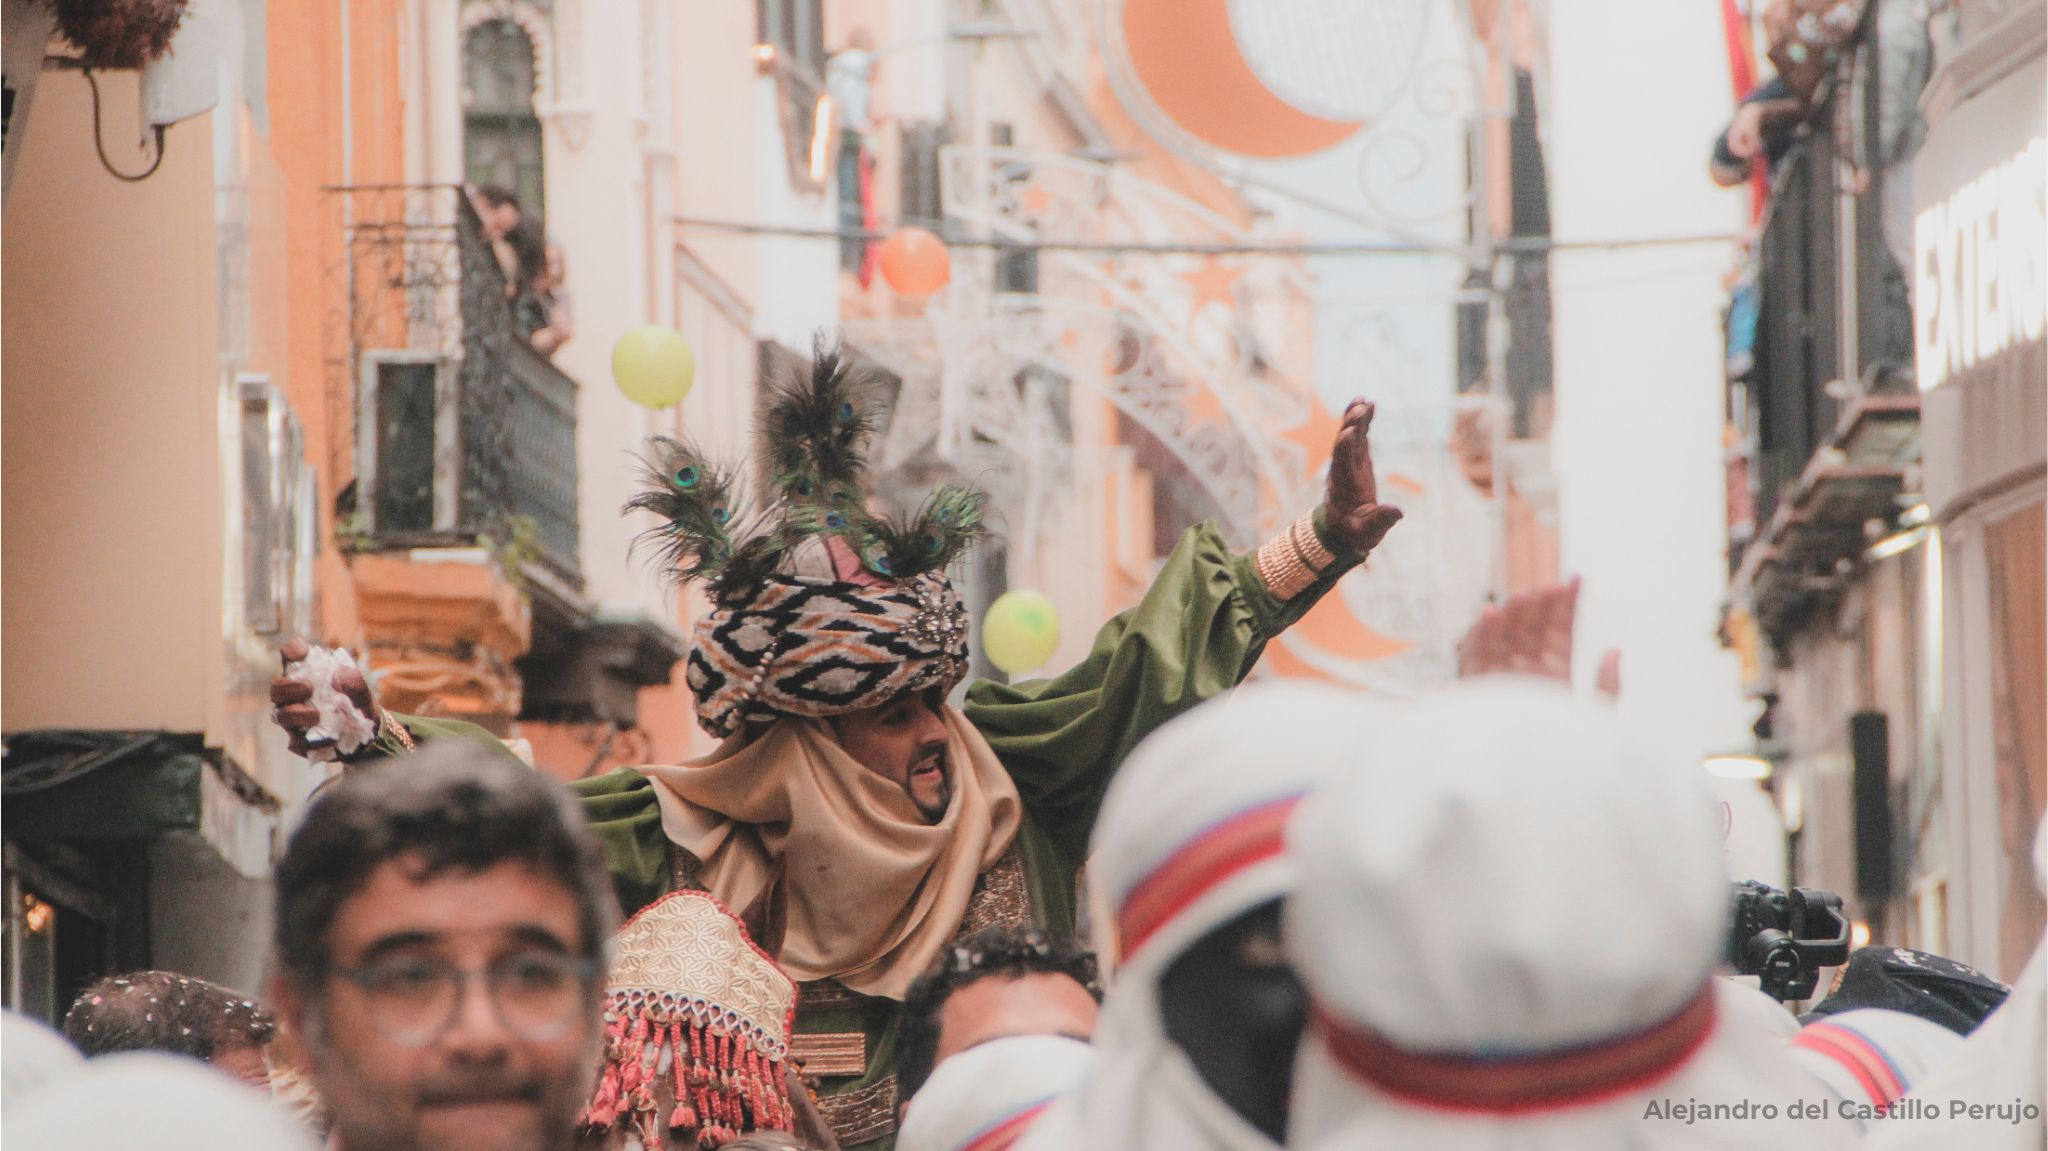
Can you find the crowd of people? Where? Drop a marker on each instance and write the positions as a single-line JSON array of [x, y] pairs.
[[1133, 906]]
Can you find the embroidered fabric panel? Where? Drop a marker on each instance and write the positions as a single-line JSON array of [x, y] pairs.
[[837, 1054], [828, 995], [687, 946], [1001, 896], [862, 1115]]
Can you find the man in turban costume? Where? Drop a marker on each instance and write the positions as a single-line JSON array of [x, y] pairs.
[[855, 820]]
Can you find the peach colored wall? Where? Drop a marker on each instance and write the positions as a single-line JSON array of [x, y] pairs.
[[714, 74], [112, 560], [309, 128]]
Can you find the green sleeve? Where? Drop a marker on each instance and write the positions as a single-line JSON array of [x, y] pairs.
[[620, 806], [1199, 630], [627, 820], [425, 731]]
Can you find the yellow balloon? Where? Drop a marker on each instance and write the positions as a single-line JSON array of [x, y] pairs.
[[1020, 631], [654, 366]]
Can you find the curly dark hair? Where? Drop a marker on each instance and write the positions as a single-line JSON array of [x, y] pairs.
[[1005, 951], [455, 806], [165, 1011]]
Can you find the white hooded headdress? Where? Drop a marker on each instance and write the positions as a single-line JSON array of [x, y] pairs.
[[1508, 924], [1191, 837]]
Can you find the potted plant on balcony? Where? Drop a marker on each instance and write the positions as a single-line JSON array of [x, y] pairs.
[[119, 33]]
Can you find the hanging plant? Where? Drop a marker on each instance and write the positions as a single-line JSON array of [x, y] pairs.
[[119, 33]]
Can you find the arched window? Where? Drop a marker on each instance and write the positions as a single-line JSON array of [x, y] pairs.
[[500, 132]]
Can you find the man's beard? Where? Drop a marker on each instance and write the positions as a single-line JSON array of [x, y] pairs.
[[933, 755]]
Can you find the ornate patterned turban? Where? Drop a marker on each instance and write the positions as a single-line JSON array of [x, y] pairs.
[[879, 620]]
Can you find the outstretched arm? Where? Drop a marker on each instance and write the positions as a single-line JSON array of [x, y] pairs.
[[1199, 630]]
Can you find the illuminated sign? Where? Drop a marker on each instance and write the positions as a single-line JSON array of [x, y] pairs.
[[1981, 272]]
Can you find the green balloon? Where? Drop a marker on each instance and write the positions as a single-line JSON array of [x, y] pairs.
[[1020, 631], [654, 366]]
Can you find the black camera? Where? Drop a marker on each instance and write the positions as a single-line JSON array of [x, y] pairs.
[[1785, 937]]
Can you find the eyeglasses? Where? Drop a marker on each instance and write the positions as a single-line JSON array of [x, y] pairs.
[[413, 1001]]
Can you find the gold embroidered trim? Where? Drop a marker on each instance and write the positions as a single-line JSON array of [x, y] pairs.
[[837, 1054], [1001, 896], [828, 995], [685, 954], [685, 873], [861, 1115]]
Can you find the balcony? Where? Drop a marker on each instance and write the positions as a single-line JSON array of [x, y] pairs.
[[461, 523], [1825, 411], [465, 436]]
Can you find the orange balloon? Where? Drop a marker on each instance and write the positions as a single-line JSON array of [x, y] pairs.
[[915, 262]]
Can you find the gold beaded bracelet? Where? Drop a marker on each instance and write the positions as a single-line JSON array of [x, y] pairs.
[[396, 730], [1292, 560]]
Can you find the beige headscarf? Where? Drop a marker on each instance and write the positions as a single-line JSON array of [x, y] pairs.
[[871, 891]]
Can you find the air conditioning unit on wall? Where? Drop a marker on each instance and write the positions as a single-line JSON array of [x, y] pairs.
[[278, 509]]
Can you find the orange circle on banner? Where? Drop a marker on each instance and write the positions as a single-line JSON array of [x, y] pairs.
[[915, 262], [1185, 56]]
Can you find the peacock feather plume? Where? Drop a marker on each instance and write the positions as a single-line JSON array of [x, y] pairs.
[[698, 501], [948, 523], [816, 429], [814, 437]]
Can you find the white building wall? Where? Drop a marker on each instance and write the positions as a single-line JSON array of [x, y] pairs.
[[597, 212], [1638, 356]]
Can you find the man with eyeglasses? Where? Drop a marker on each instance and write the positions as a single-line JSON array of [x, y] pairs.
[[440, 922]]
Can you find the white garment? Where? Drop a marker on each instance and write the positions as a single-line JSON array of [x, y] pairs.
[[1754, 1007], [2002, 1064], [31, 1058], [987, 1096], [849, 78], [154, 1101], [1231, 759], [1870, 1057], [1512, 882]]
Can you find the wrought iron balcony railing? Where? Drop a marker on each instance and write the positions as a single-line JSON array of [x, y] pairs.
[[464, 434], [1833, 322]]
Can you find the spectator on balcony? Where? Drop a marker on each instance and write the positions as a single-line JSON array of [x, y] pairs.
[[1804, 36], [1762, 127], [528, 242], [541, 308], [497, 208], [498, 211]]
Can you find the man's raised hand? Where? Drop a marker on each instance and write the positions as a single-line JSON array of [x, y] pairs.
[[292, 701], [1354, 514]]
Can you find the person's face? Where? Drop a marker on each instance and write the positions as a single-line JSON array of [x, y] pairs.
[[500, 219], [244, 1061], [904, 742], [1042, 1003], [1232, 1003], [499, 1076]]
